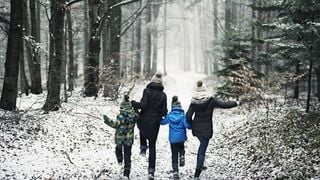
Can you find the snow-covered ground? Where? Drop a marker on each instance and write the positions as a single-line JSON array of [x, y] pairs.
[[74, 143]]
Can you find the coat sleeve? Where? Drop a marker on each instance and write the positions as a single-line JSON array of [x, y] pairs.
[[110, 122], [165, 121], [144, 100], [224, 105], [189, 114], [164, 109], [186, 124]]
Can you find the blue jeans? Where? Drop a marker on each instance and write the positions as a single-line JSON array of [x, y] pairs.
[[202, 151], [177, 150]]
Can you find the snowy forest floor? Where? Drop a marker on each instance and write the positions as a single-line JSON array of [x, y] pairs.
[[74, 143]]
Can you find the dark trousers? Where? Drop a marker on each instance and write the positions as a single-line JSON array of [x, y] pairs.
[[123, 152], [152, 156], [202, 151], [177, 150], [143, 142], [152, 151]]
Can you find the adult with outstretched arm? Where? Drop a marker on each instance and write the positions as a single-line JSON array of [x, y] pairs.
[[202, 106]]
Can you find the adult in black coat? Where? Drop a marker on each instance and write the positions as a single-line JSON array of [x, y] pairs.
[[202, 106], [153, 105]]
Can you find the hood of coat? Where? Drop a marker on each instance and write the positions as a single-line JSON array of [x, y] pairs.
[[176, 115], [200, 95], [154, 85], [127, 112]]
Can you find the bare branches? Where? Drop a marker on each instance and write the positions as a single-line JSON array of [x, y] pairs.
[[73, 2], [135, 16], [123, 3], [45, 8], [106, 15]]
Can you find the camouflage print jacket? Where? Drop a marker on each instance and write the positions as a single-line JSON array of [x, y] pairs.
[[124, 124]]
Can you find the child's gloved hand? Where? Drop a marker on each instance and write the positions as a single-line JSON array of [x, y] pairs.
[[134, 103], [106, 119]]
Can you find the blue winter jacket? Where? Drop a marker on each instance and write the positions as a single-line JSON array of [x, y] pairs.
[[177, 125]]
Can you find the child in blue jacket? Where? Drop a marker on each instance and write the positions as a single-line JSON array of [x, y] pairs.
[[177, 134]]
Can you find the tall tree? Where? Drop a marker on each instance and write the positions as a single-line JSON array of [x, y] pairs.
[[35, 65], [137, 58], [71, 67], [147, 42], [91, 76], [155, 13], [57, 52], [10, 85], [165, 38]]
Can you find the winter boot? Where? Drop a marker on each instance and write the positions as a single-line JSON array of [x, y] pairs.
[[182, 161], [126, 173], [198, 172], [151, 174], [143, 150], [175, 175]]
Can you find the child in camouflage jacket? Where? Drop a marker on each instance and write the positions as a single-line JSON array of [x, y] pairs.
[[124, 135]]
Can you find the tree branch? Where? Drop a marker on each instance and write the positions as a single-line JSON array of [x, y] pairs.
[[123, 3], [73, 2], [138, 13], [106, 15]]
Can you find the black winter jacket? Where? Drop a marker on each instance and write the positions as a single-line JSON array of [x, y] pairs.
[[201, 124], [153, 105]]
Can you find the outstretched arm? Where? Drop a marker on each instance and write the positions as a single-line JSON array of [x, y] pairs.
[[110, 122], [224, 105]]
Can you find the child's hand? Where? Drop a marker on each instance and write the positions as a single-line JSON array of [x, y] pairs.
[[239, 103], [106, 119]]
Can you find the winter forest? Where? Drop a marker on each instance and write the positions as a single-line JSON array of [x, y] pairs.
[[66, 65]]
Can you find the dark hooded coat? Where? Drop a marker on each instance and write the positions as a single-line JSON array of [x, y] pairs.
[[153, 105]]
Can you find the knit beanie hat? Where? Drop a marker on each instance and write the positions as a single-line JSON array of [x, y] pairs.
[[175, 102], [201, 93], [157, 78]]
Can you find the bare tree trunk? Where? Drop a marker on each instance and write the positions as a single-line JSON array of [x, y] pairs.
[[309, 84], [24, 85], [318, 82], [85, 35], [71, 72], [114, 56], [148, 43], [36, 86], [253, 34], [91, 75], [56, 28], [215, 32], [297, 82], [165, 39], [137, 59], [10, 84], [155, 13]]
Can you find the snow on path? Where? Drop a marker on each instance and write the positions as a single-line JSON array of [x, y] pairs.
[[73, 144]]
